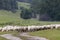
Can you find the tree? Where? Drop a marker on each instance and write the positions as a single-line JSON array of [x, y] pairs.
[[26, 14], [49, 7], [9, 5]]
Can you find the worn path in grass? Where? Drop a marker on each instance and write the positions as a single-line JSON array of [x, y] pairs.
[[10, 37], [28, 37]]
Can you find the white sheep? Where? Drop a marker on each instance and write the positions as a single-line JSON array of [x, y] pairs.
[[4, 29], [57, 26]]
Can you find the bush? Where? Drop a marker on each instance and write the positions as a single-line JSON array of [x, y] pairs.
[[26, 14]]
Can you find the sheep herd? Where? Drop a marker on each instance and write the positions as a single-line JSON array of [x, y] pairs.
[[29, 28]]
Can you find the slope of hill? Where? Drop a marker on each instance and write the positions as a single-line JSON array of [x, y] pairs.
[[24, 4], [10, 18]]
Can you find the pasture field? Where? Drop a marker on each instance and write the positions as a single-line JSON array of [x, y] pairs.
[[49, 34], [10, 18]]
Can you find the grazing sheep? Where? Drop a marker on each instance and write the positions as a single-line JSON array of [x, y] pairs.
[[9, 28], [4, 29], [19, 29], [33, 28], [57, 26], [29, 28], [52, 26], [42, 27], [47, 27]]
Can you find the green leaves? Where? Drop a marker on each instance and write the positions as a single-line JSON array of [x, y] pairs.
[[8, 5], [26, 14]]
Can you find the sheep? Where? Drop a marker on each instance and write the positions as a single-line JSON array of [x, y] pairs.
[[47, 27], [37, 28], [57, 26], [42, 28], [9, 28], [19, 29], [4, 29], [25, 29], [33, 28], [29, 28], [53, 26]]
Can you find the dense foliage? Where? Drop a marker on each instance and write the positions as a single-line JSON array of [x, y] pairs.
[[8, 5], [47, 9], [26, 14]]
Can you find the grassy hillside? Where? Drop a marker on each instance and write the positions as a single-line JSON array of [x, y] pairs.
[[7, 17], [23, 4], [1, 38]]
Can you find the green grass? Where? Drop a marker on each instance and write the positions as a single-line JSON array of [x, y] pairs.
[[14, 18], [10, 32], [49, 34], [23, 4], [9, 18], [1, 38]]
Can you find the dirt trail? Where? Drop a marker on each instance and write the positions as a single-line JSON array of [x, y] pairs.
[[28, 37], [10, 37], [32, 37]]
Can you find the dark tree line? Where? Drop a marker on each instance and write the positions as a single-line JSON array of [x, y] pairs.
[[29, 1], [8, 5], [48, 10]]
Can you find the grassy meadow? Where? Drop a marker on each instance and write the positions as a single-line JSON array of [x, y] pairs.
[[49, 34], [24, 5], [9, 18], [1, 38]]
